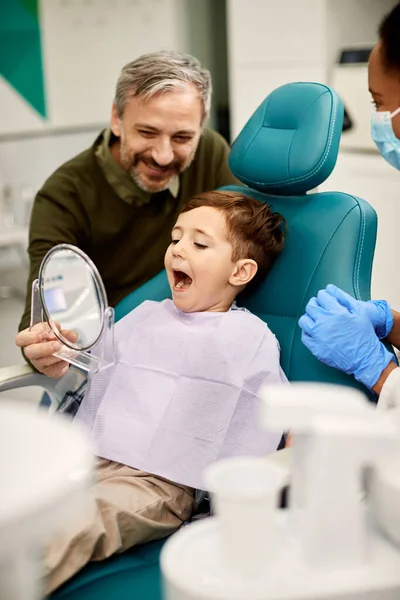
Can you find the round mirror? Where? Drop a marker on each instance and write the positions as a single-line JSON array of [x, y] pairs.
[[73, 295]]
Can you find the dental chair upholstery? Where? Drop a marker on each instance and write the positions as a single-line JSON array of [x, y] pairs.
[[287, 148]]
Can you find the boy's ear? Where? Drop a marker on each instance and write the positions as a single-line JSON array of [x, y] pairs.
[[115, 121], [243, 272]]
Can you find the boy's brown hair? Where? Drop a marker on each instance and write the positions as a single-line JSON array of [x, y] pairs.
[[254, 231]]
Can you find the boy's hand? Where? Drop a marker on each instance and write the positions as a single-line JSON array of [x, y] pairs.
[[39, 344], [289, 441]]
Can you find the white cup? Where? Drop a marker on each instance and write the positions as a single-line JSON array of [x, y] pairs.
[[245, 491]]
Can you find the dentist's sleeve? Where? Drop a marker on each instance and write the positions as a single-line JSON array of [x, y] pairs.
[[390, 394]]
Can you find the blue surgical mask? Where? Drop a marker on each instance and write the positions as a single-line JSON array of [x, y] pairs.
[[384, 137]]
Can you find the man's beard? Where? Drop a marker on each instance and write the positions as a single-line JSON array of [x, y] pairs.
[[130, 163]]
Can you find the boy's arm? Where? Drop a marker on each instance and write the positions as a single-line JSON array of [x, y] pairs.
[[289, 441]]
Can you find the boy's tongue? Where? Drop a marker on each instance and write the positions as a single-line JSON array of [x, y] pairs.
[[184, 283]]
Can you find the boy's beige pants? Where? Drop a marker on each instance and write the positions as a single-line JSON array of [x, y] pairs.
[[124, 507]]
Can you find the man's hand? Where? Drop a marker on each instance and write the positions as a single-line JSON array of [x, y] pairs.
[[39, 345]]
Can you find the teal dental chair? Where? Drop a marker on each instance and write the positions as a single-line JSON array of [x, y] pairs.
[[287, 148], [284, 152]]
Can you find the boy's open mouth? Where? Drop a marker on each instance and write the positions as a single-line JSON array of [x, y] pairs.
[[182, 280]]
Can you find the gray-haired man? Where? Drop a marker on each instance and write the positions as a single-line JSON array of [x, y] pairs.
[[119, 199]]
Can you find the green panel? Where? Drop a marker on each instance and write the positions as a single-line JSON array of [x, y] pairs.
[[21, 53], [32, 7]]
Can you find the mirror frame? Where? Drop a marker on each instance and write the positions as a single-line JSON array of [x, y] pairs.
[[100, 290]]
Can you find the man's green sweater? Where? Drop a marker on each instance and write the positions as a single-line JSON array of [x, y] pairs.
[[92, 203]]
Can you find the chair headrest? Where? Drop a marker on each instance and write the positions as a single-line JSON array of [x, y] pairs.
[[290, 144]]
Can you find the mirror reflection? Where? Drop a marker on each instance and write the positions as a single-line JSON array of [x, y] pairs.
[[71, 297]]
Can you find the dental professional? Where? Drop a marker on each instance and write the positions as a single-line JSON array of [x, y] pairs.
[[340, 331]]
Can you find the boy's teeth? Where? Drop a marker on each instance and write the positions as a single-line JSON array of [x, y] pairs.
[[179, 284]]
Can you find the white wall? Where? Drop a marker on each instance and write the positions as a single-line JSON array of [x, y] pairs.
[[271, 43], [353, 22], [369, 177], [30, 160]]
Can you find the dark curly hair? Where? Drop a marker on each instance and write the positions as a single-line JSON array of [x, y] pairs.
[[389, 34], [252, 228]]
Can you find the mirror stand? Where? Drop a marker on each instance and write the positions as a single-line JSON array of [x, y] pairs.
[[81, 359]]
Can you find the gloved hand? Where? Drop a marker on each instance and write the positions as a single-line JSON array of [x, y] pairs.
[[343, 337], [379, 311]]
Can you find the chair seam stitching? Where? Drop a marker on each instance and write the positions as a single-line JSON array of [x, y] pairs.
[[316, 266], [357, 282], [317, 168]]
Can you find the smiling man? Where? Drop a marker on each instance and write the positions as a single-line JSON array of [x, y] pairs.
[[158, 136], [119, 199]]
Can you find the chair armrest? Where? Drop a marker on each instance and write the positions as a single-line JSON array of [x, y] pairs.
[[19, 376]]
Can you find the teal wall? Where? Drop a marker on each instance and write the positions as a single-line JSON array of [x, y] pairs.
[[21, 52]]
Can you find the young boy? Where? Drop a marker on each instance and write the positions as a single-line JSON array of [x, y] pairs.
[[182, 392]]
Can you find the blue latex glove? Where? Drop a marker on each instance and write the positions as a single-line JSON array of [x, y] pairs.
[[379, 311], [344, 337]]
